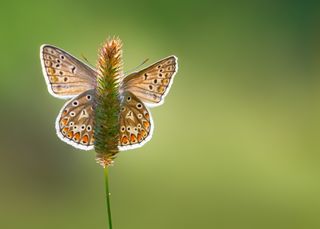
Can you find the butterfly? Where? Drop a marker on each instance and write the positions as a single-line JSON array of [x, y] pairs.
[[70, 78]]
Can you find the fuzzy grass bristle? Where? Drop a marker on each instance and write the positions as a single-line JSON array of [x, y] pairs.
[[107, 103], [110, 59]]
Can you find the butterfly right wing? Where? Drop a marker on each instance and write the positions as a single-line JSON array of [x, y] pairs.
[[152, 84], [74, 124], [136, 124], [66, 76]]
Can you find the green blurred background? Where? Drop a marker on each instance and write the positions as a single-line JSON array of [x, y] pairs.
[[236, 145]]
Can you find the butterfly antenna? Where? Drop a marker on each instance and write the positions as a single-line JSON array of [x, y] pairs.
[[131, 70], [85, 58]]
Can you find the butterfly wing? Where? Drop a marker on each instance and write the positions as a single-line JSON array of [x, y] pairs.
[[74, 123], [152, 84], [136, 124], [66, 76]]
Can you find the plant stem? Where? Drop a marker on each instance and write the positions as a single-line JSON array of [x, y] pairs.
[[106, 176]]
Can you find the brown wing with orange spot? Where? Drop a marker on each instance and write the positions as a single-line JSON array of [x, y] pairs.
[[135, 122], [74, 124]]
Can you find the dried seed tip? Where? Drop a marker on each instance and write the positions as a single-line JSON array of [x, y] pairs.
[[105, 160], [110, 59]]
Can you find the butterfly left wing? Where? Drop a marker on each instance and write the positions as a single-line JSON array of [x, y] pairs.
[[152, 84], [74, 124], [65, 75], [136, 124]]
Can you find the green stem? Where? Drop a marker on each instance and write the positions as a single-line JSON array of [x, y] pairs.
[[106, 176]]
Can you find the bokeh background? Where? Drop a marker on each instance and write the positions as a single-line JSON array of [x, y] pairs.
[[236, 145]]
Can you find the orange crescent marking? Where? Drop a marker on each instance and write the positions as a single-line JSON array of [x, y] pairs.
[[85, 139], [146, 124], [54, 79], [165, 81], [139, 136], [124, 140], [65, 130], [133, 138], [70, 134], [144, 134], [64, 121], [160, 89], [76, 137], [50, 71]]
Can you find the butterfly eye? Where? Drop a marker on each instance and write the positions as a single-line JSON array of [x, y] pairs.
[[129, 99], [159, 66], [123, 109], [75, 103], [155, 81], [150, 87], [128, 128], [139, 116], [123, 129], [62, 57], [139, 105], [72, 114], [89, 128], [88, 97], [71, 123], [83, 127], [65, 79]]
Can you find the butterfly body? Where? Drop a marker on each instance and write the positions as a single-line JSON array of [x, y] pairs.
[[108, 111]]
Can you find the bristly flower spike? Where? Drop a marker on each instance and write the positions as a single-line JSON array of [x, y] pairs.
[[107, 107], [107, 101]]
